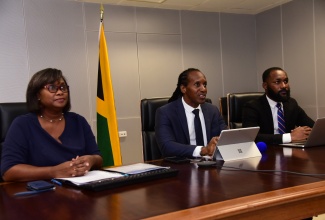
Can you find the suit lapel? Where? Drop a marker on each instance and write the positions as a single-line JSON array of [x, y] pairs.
[[182, 117], [207, 120], [268, 112]]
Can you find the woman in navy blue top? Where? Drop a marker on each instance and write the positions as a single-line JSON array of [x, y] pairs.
[[49, 142]]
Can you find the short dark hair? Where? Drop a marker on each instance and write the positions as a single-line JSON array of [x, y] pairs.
[[37, 82], [182, 80], [267, 72]]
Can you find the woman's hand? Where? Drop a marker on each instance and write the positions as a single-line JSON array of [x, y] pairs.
[[78, 166]]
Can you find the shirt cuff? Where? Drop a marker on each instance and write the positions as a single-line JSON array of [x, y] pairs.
[[286, 138], [197, 151]]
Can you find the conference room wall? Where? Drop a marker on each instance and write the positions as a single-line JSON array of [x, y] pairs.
[[319, 43], [148, 48], [292, 36]]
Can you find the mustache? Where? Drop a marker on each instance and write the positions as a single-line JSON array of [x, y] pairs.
[[284, 90]]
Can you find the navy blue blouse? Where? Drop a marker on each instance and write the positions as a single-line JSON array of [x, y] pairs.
[[28, 143]]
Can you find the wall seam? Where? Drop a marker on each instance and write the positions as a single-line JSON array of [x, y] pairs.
[[181, 38], [26, 42], [137, 44], [282, 44], [221, 58], [93, 121], [315, 59]]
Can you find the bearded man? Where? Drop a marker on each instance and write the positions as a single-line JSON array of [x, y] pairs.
[[280, 118]]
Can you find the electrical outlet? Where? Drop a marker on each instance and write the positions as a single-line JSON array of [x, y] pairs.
[[122, 134]]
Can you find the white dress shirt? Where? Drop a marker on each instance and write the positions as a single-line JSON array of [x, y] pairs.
[[190, 123], [286, 138]]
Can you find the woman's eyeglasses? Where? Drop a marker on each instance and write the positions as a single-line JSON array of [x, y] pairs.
[[53, 88]]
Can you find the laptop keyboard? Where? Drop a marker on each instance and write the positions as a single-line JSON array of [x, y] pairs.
[[130, 179]]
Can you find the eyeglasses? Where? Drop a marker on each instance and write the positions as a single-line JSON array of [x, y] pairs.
[[53, 88]]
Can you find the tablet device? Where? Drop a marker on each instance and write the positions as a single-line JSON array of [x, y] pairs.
[[236, 144]]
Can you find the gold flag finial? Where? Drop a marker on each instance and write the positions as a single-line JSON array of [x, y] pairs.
[[101, 12]]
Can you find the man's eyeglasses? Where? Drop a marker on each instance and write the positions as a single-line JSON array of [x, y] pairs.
[[53, 88]]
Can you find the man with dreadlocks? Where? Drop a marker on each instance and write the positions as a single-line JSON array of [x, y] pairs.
[[188, 126]]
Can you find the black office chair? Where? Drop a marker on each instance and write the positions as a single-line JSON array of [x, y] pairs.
[[8, 112], [151, 149], [235, 103], [223, 108]]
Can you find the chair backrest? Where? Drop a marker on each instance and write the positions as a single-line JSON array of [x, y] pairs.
[[8, 112], [148, 112], [235, 103], [223, 108], [151, 149]]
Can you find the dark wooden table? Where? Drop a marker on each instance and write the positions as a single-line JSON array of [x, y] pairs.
[[206, 193]]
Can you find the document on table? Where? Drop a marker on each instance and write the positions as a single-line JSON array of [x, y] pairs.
[[110, 173], [94, 175], [135, 168]]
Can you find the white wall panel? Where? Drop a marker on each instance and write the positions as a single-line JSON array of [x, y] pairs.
[[201, 48], [238, 53], [159, 64], [13, 52], [56, 39], [298, 48], [157, 21], [269, 52]]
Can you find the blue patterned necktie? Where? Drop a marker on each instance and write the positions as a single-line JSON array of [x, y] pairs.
[[281, 122], [198, 128]]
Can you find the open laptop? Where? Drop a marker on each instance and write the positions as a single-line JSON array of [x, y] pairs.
[[236, 144], [316, 136]]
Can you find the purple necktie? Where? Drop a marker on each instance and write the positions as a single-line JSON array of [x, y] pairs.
[[281, 122]]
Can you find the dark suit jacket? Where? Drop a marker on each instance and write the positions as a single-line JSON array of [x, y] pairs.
[[172, 131], [258, 113]]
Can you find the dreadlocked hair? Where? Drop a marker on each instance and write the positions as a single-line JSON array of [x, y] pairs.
[[182, 80]]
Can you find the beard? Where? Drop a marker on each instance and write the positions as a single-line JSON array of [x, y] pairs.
[[277, 97]]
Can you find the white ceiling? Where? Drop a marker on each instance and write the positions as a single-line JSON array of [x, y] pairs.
[[226, 6]]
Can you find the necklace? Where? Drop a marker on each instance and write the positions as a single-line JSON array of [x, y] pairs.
[[52, 120]]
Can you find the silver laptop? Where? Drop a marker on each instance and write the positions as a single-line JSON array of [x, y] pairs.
[[316, 137], [236, 144]]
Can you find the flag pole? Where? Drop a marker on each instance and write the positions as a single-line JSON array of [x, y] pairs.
[[101, 12], [107, 128]]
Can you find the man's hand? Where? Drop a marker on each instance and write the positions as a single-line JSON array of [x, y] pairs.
[[300, 134], [209, 149]]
